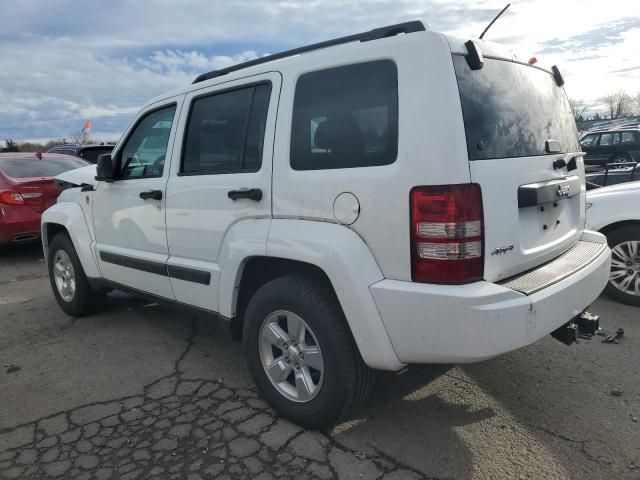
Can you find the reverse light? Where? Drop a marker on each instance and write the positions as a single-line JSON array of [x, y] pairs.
[[447, 242]]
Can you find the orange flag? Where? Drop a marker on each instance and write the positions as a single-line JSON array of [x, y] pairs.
[[87, 126]]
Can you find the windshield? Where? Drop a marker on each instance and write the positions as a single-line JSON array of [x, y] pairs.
[[511, 109], [33, 167]]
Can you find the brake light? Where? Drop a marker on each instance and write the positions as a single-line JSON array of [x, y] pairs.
[[447, 241], [11, 197]]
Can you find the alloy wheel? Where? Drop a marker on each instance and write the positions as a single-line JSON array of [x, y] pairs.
[[64, 275], [291, 356], [625, 267]]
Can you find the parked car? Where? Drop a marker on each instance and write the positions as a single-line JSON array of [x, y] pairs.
[[616, 145], [89, 152], [615, 211], [308, 201], [26, 190]]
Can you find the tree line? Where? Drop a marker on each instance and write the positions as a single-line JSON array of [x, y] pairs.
[[618, 104], [13, 146]]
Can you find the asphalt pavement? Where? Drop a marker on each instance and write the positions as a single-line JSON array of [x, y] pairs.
[[143, 390]]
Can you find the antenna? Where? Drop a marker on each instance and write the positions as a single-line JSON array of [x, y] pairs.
[[494, 20]]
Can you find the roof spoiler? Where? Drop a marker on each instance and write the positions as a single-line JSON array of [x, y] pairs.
[[375, 34]]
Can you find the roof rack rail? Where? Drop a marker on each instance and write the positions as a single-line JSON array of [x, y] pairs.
[[375, 34]]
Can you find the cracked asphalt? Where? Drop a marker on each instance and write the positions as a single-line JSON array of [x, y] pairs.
[[143, 390]]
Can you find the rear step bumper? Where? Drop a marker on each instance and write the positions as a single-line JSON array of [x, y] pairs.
[[468, 323]]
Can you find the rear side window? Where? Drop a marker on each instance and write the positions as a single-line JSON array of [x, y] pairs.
[[606, 139], [628, 137], [33, 167], [225, 132], [511, 110], [346, 117]]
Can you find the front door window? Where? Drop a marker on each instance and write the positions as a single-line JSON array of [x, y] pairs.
[[144, 152]]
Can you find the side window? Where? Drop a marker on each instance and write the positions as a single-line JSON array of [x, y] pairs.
[[606, 139], [589, 140], [143, 154], [346, 117], [616, 138], [225, 132], [628, 137]]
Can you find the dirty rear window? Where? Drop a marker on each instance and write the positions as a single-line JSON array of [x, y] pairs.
[[511, 109], [33, 167]]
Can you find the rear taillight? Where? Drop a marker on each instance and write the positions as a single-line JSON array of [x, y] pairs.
[[447, 241], [11, 197]]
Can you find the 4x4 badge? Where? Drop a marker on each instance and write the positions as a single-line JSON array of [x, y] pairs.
[[502, 250]]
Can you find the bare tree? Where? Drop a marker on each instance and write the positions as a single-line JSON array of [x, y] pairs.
[[79, 137], [577, 109], [619, 104]]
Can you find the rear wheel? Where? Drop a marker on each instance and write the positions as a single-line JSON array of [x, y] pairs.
[[624, 280], [620, 158], [68, 281], [301, 353]]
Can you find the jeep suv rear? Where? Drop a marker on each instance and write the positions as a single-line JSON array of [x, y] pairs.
[[360, 204]]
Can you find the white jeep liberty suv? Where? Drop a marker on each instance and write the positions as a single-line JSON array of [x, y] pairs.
[[392, 197]]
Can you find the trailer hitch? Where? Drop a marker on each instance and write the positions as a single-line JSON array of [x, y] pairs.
[[586, 324]]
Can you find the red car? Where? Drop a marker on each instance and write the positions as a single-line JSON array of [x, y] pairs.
[[27, 190]]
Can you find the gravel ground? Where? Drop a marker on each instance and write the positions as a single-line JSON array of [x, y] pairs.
[[143, 390]]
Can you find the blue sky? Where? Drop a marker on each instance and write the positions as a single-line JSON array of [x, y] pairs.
[[63, 62]]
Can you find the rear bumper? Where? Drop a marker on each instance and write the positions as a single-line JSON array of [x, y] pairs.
[[469, 323], [17, 221]]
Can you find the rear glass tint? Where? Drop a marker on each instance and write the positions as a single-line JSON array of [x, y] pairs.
[[346, 117], [511, 109], [33, 167]]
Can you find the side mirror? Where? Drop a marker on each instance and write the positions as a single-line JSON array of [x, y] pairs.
[[105, 171]]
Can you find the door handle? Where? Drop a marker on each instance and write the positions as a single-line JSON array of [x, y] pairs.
[[152, 194], [250, 193]]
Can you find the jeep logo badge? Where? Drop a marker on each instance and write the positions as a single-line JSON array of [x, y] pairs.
[[502, 250], [563, 190]]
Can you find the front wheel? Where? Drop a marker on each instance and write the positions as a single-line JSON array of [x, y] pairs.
[[68, 281], [301, 353], [624, 280]]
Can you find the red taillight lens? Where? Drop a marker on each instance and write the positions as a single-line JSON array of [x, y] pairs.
[[447, 241], [11, 197]]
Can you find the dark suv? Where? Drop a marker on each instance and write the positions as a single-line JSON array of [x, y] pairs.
[[611, 146], [90, 153]]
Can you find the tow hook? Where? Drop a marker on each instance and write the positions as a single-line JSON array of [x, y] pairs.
[[586, 324]]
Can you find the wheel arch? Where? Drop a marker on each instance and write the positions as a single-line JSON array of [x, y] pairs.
[[68, 217], [616, 225], [340, 260]]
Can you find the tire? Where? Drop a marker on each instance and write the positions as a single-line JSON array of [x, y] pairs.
[[620, 158], [345, 381], [81, 299], [620, 241]]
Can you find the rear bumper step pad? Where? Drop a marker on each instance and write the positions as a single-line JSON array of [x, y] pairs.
[[574, 259]]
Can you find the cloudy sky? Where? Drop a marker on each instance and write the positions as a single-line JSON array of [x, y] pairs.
[[63, 62]]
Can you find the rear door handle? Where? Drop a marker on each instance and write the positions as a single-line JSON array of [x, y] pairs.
[[152, 194], [250, 193]]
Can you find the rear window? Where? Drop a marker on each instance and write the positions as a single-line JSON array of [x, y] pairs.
[[91, 154], [346, 117], [511, 109], [33, 167]]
